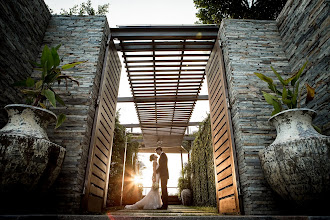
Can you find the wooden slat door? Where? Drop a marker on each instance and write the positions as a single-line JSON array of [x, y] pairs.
[[97, 172], [222, 136]]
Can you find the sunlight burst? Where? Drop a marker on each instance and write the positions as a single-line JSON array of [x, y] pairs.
[[138, 180]]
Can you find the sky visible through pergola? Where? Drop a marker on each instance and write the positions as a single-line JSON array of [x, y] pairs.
[[146, 12]]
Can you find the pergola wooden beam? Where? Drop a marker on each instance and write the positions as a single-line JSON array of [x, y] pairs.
[[160, 99], [179, 32], [166, 55], [165, 68], [138, 125], [171, 65]]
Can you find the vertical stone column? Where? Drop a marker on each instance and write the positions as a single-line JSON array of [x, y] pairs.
[[251, 46], [82, 38]]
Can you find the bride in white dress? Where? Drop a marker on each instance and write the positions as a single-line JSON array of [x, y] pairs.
[[152, 200]]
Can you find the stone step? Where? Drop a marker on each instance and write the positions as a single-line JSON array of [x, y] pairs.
[[113, 217]]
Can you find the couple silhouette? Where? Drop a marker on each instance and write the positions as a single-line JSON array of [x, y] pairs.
[[153, 200]]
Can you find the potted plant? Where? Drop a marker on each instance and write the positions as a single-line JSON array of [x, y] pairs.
[[296, 165], [184, 186], [28, 160]]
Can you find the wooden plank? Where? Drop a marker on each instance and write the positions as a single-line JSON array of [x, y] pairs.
[[97, 181], [226, 182], [162, 70], [99, 171], [226, 192], [228, 206], [98, 162], [169, 43], [95, 204], [197, 48], [96, 191], [168, 61], [221, 139], [222, 156], [167, 55], [161, 86], [164, 74], [170, 65], [101, 155], [224, 173], [165, 79], [223, 162]]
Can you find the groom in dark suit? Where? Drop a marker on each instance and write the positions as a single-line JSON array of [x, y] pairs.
[[163, 173]]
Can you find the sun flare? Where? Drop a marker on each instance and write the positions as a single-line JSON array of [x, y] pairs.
[[138, 180]]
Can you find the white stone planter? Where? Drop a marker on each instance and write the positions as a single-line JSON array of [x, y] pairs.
[[186, 197], [297, 164], [28, 160]]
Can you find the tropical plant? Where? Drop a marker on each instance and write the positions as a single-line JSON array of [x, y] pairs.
[[289, 95], [39, 91]]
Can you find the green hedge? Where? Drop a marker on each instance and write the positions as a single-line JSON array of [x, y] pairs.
[[116, 167], [202, 167]]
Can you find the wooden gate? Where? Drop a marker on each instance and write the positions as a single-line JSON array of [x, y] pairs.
[[222, 137], [97, 172]]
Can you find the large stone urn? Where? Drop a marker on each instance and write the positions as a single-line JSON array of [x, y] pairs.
[[186, 197], [297, 164], [28, 160]]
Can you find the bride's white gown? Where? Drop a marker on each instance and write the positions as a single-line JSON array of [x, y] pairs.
[[152, 200]]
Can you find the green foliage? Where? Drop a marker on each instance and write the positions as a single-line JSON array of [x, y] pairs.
[[39, 92], [184, 181], [289, 95], [86, 9], [213, 11], [117, 160], [202, 167]]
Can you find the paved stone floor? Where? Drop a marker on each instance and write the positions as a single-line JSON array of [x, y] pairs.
[[173, 210]]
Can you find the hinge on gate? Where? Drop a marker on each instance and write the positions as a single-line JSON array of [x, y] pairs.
[[97, 101], [220, 43], [108, 41], [228, 104]]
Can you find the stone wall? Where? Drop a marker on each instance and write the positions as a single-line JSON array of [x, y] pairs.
[[251, 46], [300, 33], [23, 24], [305, 32], [82, 38]]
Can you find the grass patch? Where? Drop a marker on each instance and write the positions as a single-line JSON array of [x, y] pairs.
[[205, 208]]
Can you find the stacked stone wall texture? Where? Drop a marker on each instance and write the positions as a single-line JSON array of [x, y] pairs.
[[23, 24], [251, 46], [304, 27], [300, 33], [83, 38]]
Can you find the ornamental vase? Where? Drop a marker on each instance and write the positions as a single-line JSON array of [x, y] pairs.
[[28, 160], [186, 197], [297, 164]]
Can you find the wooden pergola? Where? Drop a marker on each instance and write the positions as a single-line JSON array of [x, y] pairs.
[[166, 69]]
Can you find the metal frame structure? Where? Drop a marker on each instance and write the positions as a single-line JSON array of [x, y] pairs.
[[166, 69]]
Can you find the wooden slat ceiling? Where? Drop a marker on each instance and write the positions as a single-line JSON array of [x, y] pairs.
[[166, 69]]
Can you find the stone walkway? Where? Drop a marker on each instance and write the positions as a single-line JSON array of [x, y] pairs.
[[173, 210]]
